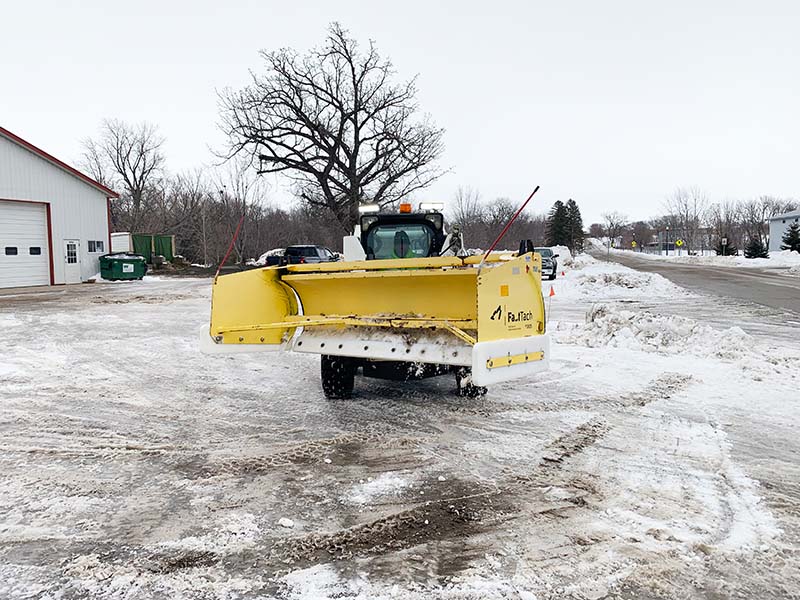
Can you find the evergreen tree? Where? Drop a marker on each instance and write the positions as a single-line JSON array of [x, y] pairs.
[[755, 248], [557, 232], [791, 239], [574, 227], [729, 250]]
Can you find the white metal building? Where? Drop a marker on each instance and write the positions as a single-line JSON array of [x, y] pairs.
[[54, 220], [778, 226]]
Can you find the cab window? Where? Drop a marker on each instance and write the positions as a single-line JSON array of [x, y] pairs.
[[399, 241]]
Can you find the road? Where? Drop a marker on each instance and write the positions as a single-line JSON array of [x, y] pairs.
[[760, 286]]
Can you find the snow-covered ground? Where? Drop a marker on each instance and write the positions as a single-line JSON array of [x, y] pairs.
[[783, 259], [658, 458]]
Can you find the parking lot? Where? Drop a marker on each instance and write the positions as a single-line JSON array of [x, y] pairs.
[[643, 464]]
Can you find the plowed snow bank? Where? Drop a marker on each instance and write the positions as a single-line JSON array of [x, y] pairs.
[[589, 278], [608, 325]]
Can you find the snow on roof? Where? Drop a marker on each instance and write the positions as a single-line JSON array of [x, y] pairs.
[[54, 161], [789, 215]]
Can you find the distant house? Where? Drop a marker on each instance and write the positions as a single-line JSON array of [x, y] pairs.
[[54, 220], [778, 226]]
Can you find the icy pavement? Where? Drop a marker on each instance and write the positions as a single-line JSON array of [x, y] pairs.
[[657, 459]]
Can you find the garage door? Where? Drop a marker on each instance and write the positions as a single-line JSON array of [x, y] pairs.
[[24, 253]]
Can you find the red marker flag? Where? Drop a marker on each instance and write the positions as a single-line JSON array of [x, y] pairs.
[[552, 291]]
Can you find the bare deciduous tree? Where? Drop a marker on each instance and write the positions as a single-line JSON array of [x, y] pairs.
[[615, 223], [754, 213], [687, 206], [240, 192], [466, 207], [126, 156], [723, 220], [596, 230], [334, 122]]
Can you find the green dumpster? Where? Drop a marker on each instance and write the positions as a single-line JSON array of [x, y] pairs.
[[122, 265]]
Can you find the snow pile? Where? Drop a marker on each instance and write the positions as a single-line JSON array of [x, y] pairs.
[[580, 261], [643, 330], [600, 280], [609, 326], [262, 260], [564, 255]]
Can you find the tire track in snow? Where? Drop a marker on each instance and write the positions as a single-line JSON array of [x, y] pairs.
[[476, 509], [308, 452]]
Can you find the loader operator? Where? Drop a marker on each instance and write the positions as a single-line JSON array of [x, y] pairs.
[[402, 246]]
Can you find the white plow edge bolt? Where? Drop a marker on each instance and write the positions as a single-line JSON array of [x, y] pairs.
[[484, 351]]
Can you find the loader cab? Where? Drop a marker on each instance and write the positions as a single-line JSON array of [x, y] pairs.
[[403, 235]]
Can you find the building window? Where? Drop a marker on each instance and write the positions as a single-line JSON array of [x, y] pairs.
[[11, 250], [91, 246], [34, 251], [95, 246]]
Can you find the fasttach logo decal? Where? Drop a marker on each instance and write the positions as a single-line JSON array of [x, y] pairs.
[[513, 319]]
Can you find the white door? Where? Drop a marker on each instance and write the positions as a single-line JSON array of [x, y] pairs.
[[24, 251], [72, 261]]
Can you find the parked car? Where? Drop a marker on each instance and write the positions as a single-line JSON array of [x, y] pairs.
[[307, 254], [549, 263]]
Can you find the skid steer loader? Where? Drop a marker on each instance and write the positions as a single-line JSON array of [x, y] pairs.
[[406, 303]]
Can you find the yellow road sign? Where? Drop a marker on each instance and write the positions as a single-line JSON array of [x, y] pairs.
[[679, 243]]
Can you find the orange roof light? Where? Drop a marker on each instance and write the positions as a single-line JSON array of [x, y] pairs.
[[405, 207]]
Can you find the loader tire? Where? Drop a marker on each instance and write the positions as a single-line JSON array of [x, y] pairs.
[[338, 375], [464, 386]]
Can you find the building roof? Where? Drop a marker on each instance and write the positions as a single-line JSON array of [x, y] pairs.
[[54, 161], [790, 215]]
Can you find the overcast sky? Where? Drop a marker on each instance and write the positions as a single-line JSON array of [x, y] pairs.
[[611, 103]]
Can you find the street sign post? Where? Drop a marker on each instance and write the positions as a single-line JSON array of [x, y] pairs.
[[723, 242]]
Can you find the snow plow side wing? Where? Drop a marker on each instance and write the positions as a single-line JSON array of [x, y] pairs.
[[240, 302]]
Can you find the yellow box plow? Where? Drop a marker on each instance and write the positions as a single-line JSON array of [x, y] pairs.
[[441, 311]]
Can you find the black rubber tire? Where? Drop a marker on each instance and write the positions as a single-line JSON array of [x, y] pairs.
[[552, 277], [464, 386], [338, 376]]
